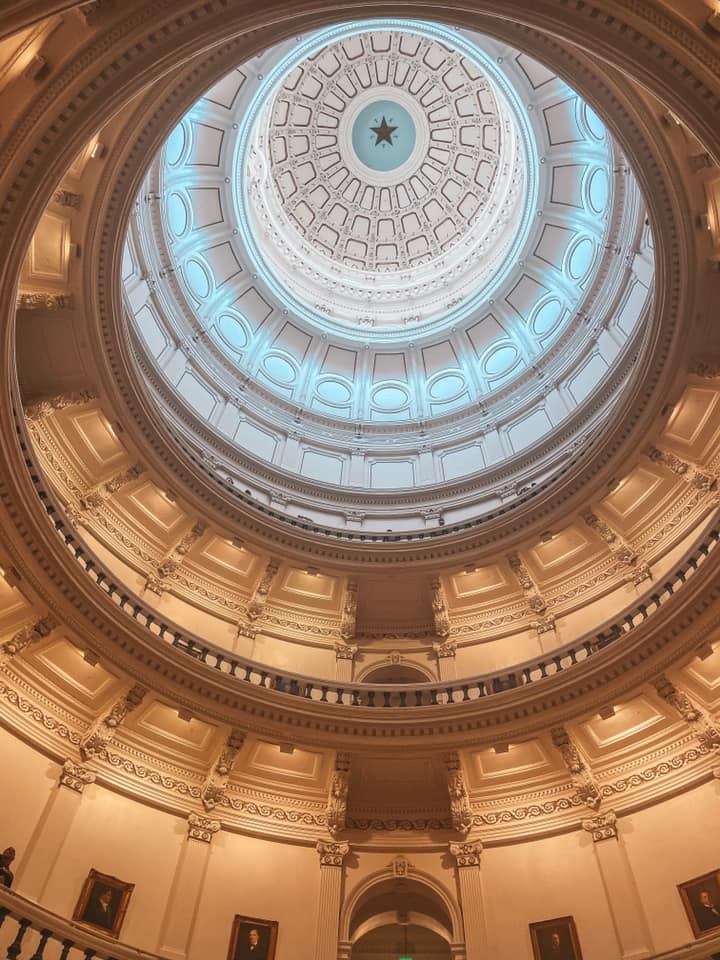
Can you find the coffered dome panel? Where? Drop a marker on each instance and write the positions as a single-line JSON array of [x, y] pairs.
[[387, 256]]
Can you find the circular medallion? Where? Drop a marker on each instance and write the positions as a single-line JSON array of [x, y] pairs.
[[383, 136]]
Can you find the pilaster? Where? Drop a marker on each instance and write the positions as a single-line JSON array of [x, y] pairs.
[[467, 860], [178, 923], [45, 844], [332, 857], [631, 926]]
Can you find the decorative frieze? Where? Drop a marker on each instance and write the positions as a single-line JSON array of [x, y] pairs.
[[601, 827], [28, 635], [586, 789], [338, 798], [44, 301], [257, 604], [332, 853], [213, 789], [460, 810], [75, 777], [441, 616], [101, 734], [202, 828], [48, 406], [348, 620], [466, 854]]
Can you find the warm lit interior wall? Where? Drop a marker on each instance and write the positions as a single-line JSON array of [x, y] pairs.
[[666, 844]]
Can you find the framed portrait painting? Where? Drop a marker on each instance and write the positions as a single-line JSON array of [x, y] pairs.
[[701, 899], [555, 939], [103, 903], [252, 939]]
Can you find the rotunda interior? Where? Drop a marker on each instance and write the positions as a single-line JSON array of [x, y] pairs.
[[360, 486]]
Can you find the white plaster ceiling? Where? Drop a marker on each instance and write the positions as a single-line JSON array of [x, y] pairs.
[[488, 349]]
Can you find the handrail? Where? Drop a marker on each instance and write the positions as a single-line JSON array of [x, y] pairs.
[[76, 942], [351, 693]]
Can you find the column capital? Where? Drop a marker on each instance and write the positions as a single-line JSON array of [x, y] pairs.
[[446, 649], [332, 853], [602, 827], [75, 777], [201, 828], [345, 651], [466, 854]]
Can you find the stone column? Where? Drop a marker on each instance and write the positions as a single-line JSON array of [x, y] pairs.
[[332, 856], [631, 926], [179, 919], [53, 827], [467, 858]]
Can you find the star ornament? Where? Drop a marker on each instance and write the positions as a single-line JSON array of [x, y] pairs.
[[383, 133]]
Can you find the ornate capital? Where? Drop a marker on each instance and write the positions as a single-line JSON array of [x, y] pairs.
[[332, 854], [44, 301], [29, 635], [345, 651], [75, 777], [446, 649], [601, 827], [201, 828], [466, 854]]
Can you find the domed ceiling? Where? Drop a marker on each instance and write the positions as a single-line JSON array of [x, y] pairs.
[[388, 256]]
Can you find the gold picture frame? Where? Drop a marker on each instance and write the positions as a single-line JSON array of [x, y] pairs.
[[252, 939], [555, 939], [103, 903], [701, 899]]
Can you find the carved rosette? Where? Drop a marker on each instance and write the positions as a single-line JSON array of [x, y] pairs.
[[202, 828], [75, 777], [332, 853], [601, 827], [466, 854]]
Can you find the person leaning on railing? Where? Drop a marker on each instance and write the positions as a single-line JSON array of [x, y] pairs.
[[6, 858]]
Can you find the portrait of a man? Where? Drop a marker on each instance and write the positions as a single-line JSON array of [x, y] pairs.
[[103, 903], [555, 939], [701, 899], [252, 939]]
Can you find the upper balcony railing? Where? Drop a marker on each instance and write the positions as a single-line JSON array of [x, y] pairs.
[[350, 693]]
